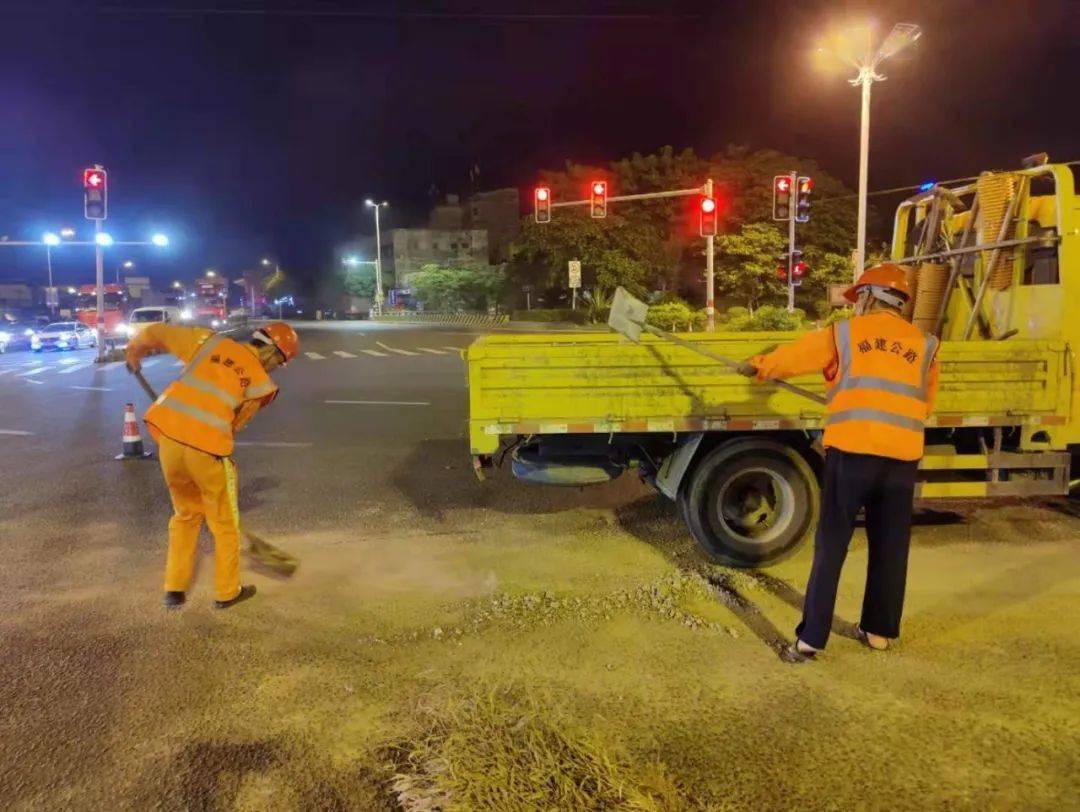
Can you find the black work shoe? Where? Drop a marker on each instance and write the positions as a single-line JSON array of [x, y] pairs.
[[794, 653], [246, 591], [174, 600]]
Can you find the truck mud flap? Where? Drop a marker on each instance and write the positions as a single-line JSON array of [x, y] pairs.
[[676, 464]]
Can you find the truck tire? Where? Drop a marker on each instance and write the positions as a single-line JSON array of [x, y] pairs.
[[750, 502]]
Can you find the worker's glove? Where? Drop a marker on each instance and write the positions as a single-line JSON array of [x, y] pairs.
[[747, 368]]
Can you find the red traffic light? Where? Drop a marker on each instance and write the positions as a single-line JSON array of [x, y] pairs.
[[783, 184], [598, 207], [707, 224], [708, 205], [542, 204], [94, 178], [799, 270]]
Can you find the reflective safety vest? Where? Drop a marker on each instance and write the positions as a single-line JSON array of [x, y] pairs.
[[877, 403], [199, 408]]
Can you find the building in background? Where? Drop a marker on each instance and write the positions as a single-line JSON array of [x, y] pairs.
[[413, 248], [497, 212]]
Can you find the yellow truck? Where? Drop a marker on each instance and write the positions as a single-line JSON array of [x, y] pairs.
[[995, 263]]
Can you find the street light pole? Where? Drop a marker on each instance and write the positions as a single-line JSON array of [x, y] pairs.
[[99, 277], [866, 78], [710, 282], [48, 263], [377, 309]]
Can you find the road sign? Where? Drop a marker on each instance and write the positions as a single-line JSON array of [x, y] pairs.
[[95, 193], [575, 273]]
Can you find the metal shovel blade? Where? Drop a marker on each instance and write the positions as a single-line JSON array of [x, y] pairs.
[[627, 315]]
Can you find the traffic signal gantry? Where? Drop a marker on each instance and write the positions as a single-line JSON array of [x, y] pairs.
[[791, 203], [598, 199]]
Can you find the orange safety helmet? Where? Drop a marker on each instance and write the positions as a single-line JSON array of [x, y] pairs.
[[282, 336], [886, 275]]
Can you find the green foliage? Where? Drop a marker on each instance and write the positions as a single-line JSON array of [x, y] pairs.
[[767, 318], [676, 316], [458, 289], [359, 281], [746, 263], [839, 315], [579, 316]]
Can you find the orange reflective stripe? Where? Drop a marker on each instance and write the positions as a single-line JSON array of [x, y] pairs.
[[195, 413], [877, 415], [210, 389]]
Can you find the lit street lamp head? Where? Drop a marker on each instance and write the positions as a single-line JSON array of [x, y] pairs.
[[265, 261], [67, 233], [104, 239], [50, 239], [128, 263], [160, 240]]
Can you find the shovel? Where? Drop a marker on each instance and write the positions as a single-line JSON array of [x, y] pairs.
[[628, 319], [262, 551]]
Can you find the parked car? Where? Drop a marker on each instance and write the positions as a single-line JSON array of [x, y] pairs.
[[141, 317], [63, 335]]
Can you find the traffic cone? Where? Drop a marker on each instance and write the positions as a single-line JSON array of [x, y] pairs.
[[133, 447]]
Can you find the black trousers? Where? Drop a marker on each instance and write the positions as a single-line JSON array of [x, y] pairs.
[[886, 489]]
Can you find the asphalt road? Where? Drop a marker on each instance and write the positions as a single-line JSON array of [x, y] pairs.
[[585, 610]]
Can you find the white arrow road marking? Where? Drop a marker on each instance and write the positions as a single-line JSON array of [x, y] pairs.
[[433, 352], [376, 353], [343, 354], [379, 402], [393, 349], [92, 388], [76, 368], [314, 356], [17, 433]]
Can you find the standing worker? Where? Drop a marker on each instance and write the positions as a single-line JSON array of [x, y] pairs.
[[881, 377], [223, 384]]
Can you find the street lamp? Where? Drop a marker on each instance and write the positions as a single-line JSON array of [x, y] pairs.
[[210, 273], [866, 60], [103, 238], [377, 310], [160, 240], [50, 240], [67, 233], [127, 265]]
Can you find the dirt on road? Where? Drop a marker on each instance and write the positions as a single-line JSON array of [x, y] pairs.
[[458, 658]]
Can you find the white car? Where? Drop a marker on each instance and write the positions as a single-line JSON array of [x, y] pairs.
[[141, 317], [63, 335]]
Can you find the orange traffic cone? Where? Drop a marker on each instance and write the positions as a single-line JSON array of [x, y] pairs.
[[133, 447]]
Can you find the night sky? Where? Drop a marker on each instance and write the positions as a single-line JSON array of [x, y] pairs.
[[245, 134]]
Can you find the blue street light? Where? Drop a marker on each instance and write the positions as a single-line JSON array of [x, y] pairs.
[[160, 240], [103, 238], [50, 239]]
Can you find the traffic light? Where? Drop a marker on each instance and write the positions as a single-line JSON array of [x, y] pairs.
[[802, 200], [798, 271], [781, 199], [542, 204], [599, 198], [95, 194], [708, 217]]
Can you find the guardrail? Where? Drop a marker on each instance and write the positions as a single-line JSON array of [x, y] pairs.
[[471, 319]]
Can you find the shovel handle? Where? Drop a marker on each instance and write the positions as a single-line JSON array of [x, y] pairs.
[[730, 362], [147, 388]]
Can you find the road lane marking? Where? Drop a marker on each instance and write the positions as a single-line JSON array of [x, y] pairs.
[[272, 444], [376, 353], [35, 380], [67, 361], [17, 433], [453, 349], [70, 370], [7, 371], [343, 354], [379, 402], [92, 388], [178, 364], [34, 371], [394, 349], [314, 356], [149, 362], [433, 352]]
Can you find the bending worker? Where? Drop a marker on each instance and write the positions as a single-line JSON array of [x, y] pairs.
[[223, 385], [881, 377]]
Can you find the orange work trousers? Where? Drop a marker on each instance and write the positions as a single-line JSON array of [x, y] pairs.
[[201, 486]]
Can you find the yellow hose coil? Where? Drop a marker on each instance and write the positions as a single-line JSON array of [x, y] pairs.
[[996, 191], [929, 293]]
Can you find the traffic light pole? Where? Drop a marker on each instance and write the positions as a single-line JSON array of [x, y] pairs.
[[99, 282], [710, 278], [792, 208]]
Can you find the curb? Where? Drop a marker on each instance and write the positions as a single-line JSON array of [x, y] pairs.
[[471, 319]]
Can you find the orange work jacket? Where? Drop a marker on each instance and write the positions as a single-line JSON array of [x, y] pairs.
[[881, 376], [222, 384]]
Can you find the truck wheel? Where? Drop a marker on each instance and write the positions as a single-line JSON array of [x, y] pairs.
[[749, 503]]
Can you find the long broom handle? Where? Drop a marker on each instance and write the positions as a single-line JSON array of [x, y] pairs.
[[729, 362], [147, 388]]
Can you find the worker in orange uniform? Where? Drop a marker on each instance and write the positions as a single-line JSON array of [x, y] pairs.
[[223, 385], [881, 376]]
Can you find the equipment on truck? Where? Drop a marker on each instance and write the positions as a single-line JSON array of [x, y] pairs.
[[210, 306], [997, 280], [628, 318]]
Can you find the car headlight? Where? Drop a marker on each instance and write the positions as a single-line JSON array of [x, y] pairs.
[[4, 337], [185, 315], [215, 323]]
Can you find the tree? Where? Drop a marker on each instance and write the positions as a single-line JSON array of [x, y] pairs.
[[456, 289], [746, 263], [359, 280]]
